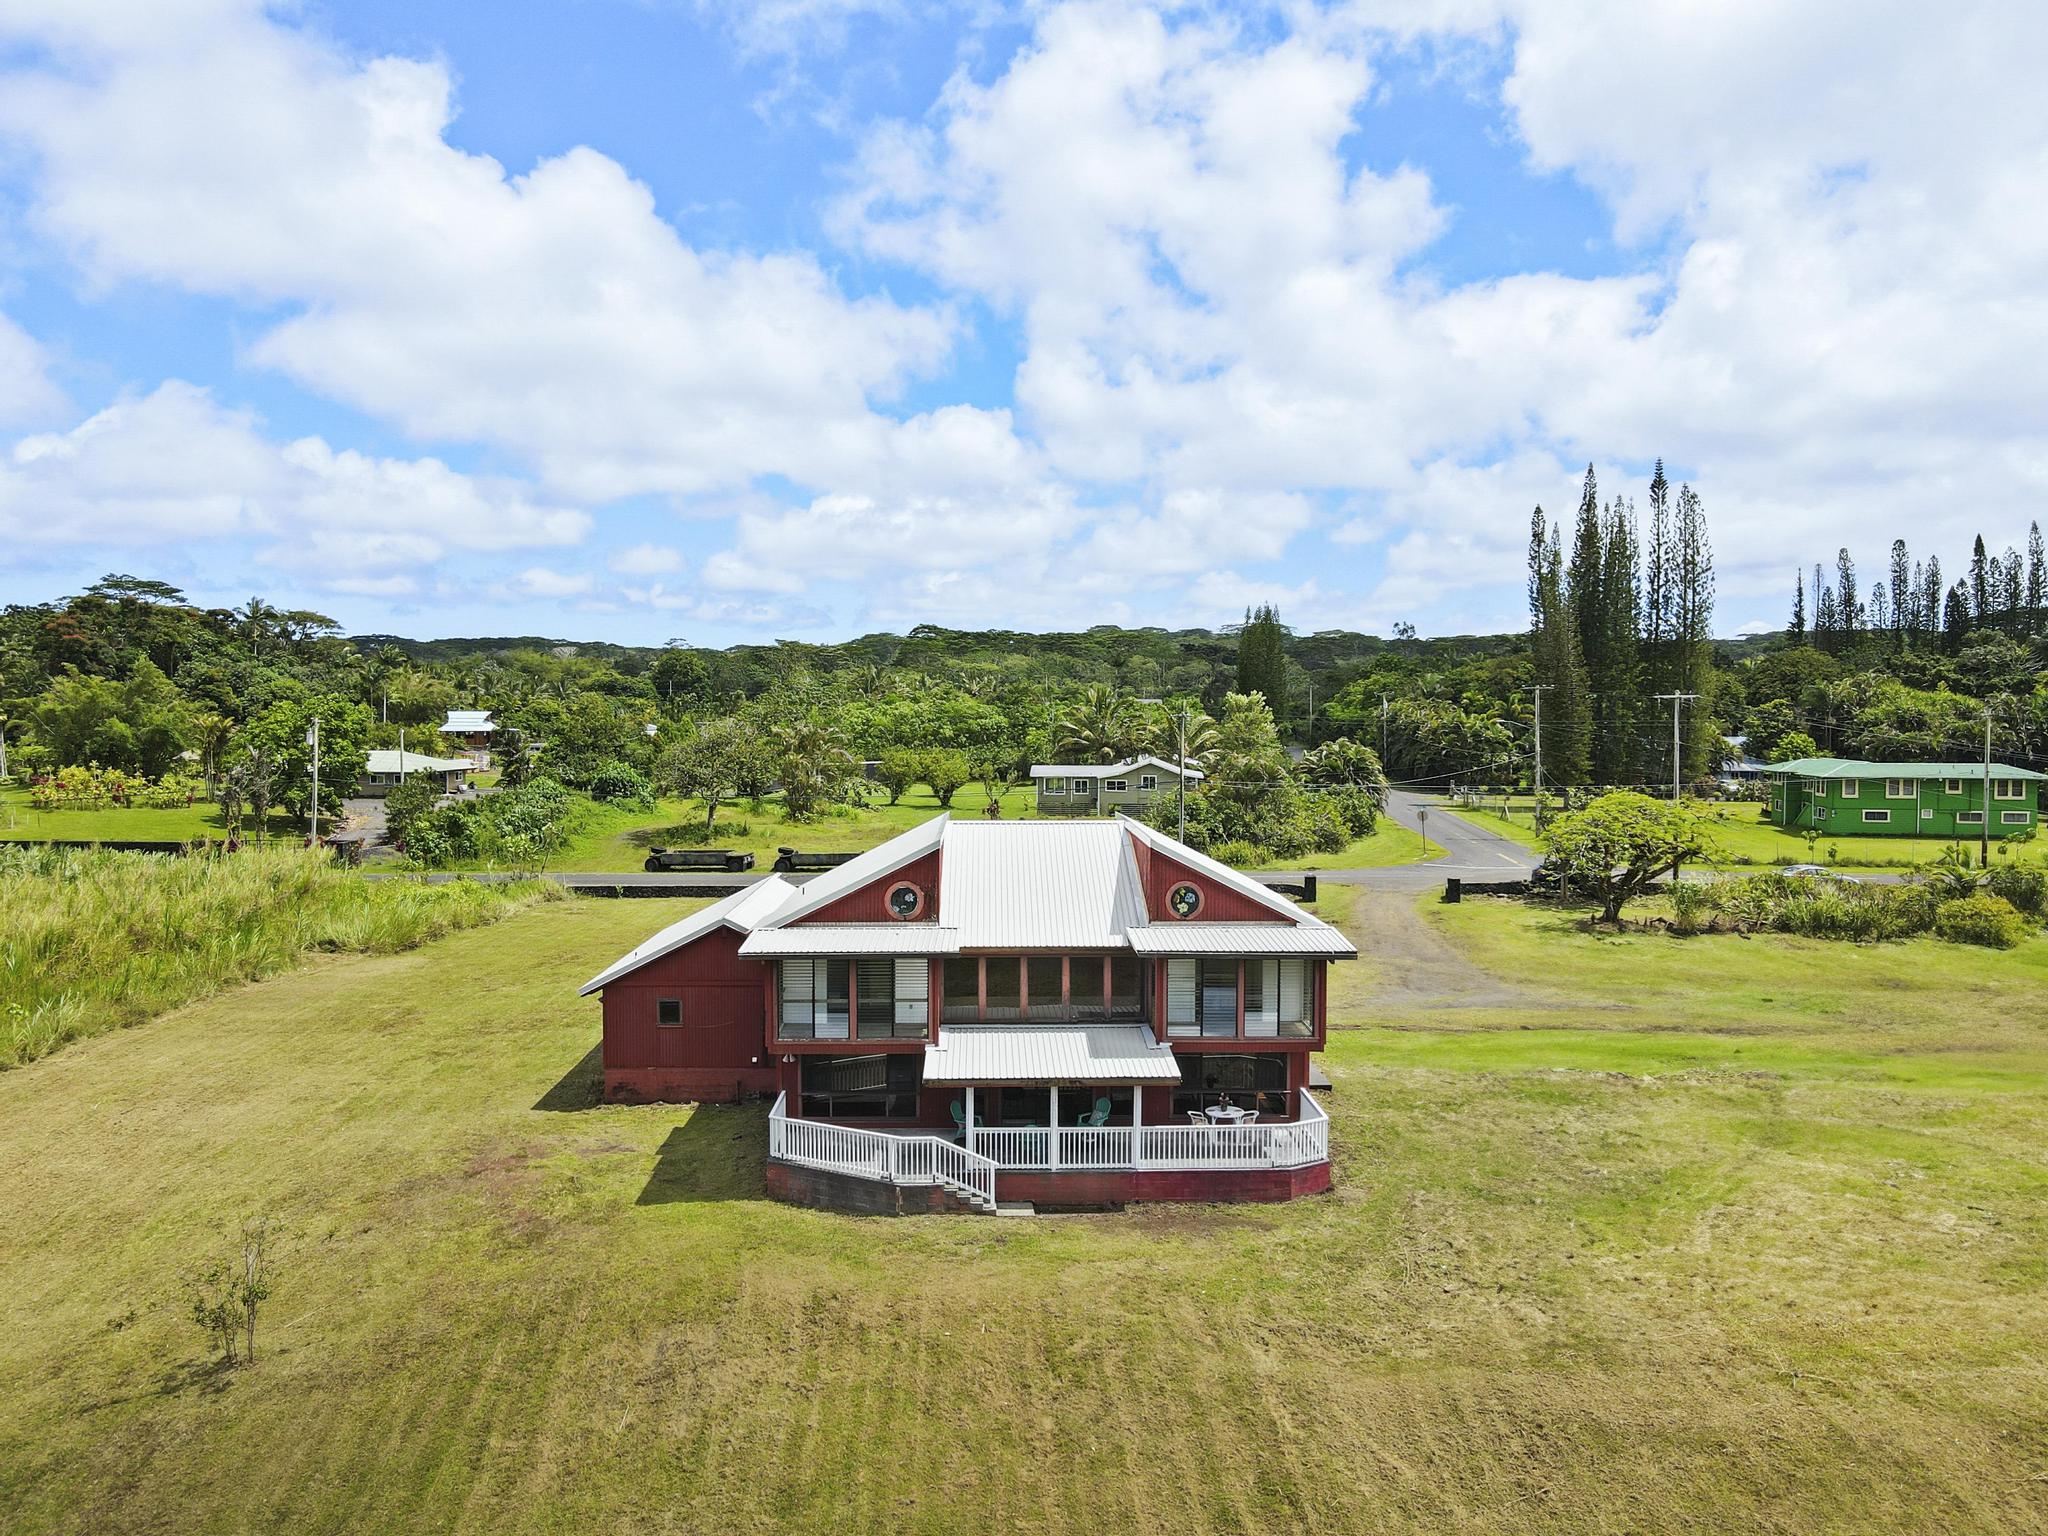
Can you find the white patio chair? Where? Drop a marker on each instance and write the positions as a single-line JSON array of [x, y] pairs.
[[1196, 1117], [1249, 1117]]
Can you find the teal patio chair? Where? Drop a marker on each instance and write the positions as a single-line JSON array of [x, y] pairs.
[[1098, 1116]]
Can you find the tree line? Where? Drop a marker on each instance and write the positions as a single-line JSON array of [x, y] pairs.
[[2003, 593], [1620, 620]]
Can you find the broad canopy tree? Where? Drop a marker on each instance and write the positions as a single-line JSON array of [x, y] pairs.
[[1620, 845]]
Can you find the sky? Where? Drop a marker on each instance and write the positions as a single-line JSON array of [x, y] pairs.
[[728, 321]]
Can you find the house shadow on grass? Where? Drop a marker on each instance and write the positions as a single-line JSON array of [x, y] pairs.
[[581, 1087], [715, 1154]]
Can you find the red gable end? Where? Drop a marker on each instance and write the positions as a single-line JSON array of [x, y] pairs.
[[1220, 904], [869, 903]]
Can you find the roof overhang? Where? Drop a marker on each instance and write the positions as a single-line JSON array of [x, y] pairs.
[[1240, 939], [852, 939], [1057, 1056]]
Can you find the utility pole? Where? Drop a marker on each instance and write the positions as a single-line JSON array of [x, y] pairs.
[[313, 741], [1676, 700], [1383, 732], [1539, 689], [3, 746], [1180, 770], [1984, 824], [401, 754]]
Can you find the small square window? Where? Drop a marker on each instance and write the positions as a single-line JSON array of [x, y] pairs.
[[1055, 786], [1952, 786], [1116, 786], [669, 1010], [1148, 781], [1084, 786]]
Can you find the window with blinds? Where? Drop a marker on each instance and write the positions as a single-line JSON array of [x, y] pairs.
[[1276, 999], [1202, 998], [815, 999], [894, 999]]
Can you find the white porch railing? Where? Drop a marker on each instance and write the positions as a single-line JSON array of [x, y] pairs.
[[879, 1155], [1271, 1144]]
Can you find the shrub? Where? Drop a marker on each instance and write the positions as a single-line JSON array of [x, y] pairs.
[[897, 770], [1356, 808], [1691, 903], [1984, 919], [620, 783], [2026, 888], [1240, 854]]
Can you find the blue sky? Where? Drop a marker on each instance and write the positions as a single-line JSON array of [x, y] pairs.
[[634, 319]]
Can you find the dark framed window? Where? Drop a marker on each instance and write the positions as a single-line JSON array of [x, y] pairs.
[[1126, 987], [1084, 985], [1249, 1082], [1005, 975], [1047, 976], [860, 1087], [962, 997], [668, 1010], [1024, 1106]]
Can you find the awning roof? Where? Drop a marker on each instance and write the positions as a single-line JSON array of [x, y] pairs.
[[1239, 939], [1057, 1055], [853, 939]]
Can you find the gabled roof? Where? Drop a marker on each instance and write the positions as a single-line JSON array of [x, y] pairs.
[[1107, 770], [739, 911], [1850, 768], [1040, 885], [467, 721], [384, 760], [1005, 886]]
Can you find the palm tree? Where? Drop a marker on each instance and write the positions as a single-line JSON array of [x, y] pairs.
[[212, 731], [1103, 726]]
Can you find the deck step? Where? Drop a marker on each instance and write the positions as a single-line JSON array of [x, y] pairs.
[[1015, 1208]]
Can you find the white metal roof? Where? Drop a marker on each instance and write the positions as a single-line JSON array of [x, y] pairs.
[[741, 910], [1039, 885], [463, 721], [1106, 770], [1096, 1053], [854, 939], [384, 760], [1240, 939]]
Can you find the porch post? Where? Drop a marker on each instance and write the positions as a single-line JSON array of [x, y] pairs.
[[1137, 1122], [968, 1127], [1052, 1139]]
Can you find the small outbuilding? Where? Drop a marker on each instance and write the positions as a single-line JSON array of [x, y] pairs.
[[472, 729]]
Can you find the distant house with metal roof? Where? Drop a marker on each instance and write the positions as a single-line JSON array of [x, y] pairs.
[[472, 729], [1844, 797], [1068, 1012], [1099, 789], [385, 770]]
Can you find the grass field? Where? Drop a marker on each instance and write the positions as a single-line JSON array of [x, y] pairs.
[[614, 838], [20, 821], [1748, 840], [1716, 1234]]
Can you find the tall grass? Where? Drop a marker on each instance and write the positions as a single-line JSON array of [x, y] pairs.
[[92, 941]]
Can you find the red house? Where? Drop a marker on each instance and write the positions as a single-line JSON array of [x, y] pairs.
[[1059, 1012]]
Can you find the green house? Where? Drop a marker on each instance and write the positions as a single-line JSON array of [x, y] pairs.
[[1843, 798]]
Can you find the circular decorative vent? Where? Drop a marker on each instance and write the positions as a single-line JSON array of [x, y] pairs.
[[1184, 900], [905, 901]]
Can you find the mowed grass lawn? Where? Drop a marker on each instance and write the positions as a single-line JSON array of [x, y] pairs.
[[20, 821], [1746, 839], [1740, 1235]]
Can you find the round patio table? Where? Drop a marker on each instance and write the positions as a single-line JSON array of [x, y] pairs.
[[1224, 1113]]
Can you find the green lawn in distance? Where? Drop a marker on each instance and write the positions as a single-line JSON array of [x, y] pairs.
[[20, 821]]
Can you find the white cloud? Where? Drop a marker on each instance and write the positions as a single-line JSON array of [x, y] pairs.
[[538, 581], [174, 466], [26, 391], [552, 312], [647, 560]]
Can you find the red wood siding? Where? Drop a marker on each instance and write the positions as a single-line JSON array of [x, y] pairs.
[[1220, 904], [868, 904], [718, 1051]]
